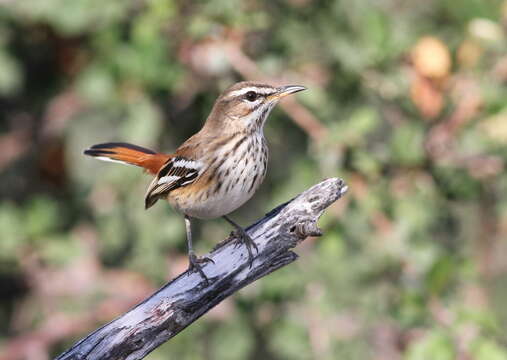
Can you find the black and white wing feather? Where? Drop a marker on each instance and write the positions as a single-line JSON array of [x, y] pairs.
[[177, 172]]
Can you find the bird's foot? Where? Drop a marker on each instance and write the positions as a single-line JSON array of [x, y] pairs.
[[196, 264], [245, 239]]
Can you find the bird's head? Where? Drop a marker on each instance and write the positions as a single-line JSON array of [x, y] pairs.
[[246, 105]]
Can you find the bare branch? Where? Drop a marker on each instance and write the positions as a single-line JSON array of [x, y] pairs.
[[183, 300]]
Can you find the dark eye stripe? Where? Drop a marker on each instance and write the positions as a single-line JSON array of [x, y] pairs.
[[241, 93], [258, 94]]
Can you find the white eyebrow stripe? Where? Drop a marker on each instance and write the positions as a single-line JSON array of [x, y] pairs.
[[258, 90]]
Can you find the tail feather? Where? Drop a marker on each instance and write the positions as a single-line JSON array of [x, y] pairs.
[[130, 154]]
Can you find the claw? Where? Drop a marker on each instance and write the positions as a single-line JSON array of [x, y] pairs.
[[244, 238], [195, 265]]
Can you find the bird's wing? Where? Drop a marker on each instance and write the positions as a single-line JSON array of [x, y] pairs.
[[176, 172]]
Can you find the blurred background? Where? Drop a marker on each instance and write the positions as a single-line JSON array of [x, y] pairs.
[[407, 102]]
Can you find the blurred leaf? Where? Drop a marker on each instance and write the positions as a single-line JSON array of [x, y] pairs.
[[486, 349], [142, 123], [11, 76], [12, 231], [421, 225], [41, 217], [239, 341], [59, 250], [70, 17], [96, 84], [440, 276], [355, 129], [435, 345], [290, 340], [407, 144]]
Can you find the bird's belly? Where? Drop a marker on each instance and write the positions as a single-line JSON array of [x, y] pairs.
[[209, 203], [220, 204], [223, 189]]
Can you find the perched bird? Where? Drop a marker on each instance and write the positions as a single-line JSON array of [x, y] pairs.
[[216, 170]]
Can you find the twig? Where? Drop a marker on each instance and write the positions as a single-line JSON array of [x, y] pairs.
[[183, 300]]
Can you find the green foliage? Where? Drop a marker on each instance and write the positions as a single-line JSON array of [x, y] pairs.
[[437, 346], [412, 99]]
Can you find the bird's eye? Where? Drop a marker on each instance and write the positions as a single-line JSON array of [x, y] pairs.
[[251, 96]]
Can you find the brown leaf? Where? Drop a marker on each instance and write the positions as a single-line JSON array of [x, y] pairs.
[[431, 58], [426, 97]]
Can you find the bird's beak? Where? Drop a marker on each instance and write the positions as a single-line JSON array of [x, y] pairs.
[[283, 91]]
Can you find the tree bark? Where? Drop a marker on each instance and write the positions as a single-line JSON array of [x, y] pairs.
[[186, 298]]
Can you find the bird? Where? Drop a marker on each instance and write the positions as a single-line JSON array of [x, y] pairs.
[[216, 170]]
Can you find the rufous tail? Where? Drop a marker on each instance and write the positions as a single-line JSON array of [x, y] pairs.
[[125, 153]]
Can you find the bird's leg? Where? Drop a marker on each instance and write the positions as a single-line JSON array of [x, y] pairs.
[[194, 261], [244, 238]]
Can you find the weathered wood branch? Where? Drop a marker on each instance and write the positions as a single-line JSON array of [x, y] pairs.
[[183, 300]]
